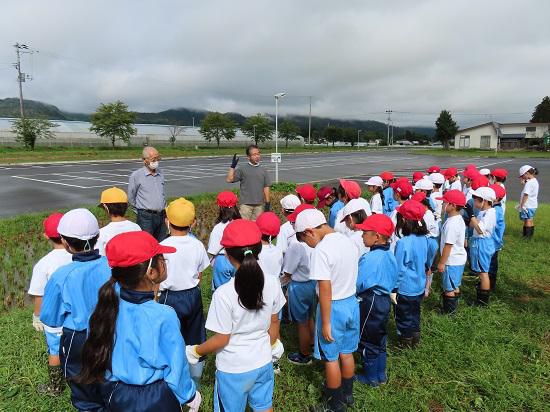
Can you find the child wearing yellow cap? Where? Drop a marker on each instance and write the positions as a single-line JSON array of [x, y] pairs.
[[115, 203], [184, 271]]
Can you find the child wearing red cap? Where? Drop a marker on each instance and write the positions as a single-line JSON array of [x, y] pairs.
[[347, 190], [389, 202], [243, 316], [498, 234], [411, 255], [498, 176], [306, 193], [134, 343], [453, 180], [401, 190], [452, 251], [41, 273], [271, 257], [328, 196], [376, 280], [222, 270], [334, 264]]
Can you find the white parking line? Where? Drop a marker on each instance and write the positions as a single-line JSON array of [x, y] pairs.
[[47, 181]]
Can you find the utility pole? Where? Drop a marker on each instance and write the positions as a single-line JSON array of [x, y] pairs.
[[309, 130], [21, 77], [389, 112], [358, 131]]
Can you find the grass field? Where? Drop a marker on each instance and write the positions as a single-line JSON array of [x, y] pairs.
[[493, 359], [483, 153], [12, 155]]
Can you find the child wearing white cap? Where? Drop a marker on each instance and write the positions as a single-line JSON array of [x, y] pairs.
[[482, 246], [70, 298], [528, 201], [354, 213], [437, 179], [334, 264], [286, 234], [375, 186]]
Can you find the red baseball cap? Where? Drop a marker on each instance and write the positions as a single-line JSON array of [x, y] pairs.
[[417, 176], [480, 181], [499, 191], [131, 248], [450, 172], [269, 224], [322, 194], [455, 197], [351, 187], [304, 206], [378, 223], [241, 232], [502, 173], [470, 173], [307, 192], [387, 176], [419, 196], [412, 210], [50, 225], [227, 199], [403, 187], [433, 169]]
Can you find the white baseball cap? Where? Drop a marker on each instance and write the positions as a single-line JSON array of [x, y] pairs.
[[375, 181], [437, 178], [485, 193], [290, 202], [355, 205], [524, 169], [425, 183], [309, 219], [79, 224], [485, 172]]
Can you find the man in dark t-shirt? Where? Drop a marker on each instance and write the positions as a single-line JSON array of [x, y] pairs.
[[254, 184]]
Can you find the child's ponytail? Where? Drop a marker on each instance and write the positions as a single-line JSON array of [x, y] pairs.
[[380, 191], [249, 278]]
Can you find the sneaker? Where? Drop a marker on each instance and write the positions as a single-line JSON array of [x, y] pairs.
[[276, 368], [298, 359]]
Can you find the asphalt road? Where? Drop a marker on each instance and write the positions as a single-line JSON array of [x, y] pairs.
[[29, 188]]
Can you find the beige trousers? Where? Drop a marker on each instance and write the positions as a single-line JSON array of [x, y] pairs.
[[251, 212]]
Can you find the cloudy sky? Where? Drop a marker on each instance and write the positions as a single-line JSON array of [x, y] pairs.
[[482, 60]]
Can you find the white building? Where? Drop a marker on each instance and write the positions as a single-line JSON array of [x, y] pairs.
[[505, 135]]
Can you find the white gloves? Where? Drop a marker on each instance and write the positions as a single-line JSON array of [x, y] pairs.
[[277, 350], [428, 287], [192, 355], [195, 403], [393, 298], [37, 324]]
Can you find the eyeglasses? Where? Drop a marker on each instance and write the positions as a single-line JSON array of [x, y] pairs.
[[154, 159]]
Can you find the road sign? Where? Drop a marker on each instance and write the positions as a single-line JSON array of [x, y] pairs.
[[276, 157]]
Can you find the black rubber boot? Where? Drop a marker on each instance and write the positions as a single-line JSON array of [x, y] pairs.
[[450, 304], [57, 382], [493, 280], [415, 339], [482, 297], [334, 401], [405, 342], [530, 232], [347, 389], [524, 231]]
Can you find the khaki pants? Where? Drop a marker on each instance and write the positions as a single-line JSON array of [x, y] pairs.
[[251, 212]]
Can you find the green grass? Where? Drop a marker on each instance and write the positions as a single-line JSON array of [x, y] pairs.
[[483, 153], [493, 359], [13, 155]]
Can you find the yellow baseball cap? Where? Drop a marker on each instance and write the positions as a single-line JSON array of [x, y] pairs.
[[113, 195], [181, 212]]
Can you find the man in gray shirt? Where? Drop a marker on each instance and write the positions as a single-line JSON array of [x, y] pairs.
[[146, 194], [254, 184]]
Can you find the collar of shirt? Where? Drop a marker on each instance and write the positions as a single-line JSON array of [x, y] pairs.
[[254, 165], [381, 247], [135, 296], [86, 256], [148, 172]]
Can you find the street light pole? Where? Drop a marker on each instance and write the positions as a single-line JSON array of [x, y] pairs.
[[358, 131], [277, 97]]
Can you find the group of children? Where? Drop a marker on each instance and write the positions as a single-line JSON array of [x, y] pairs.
[[123, 313]]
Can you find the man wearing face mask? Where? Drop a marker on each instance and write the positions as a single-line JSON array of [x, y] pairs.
[[146, 194], [254, 184]]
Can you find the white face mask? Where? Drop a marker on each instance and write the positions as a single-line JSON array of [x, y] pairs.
[[154, 165]]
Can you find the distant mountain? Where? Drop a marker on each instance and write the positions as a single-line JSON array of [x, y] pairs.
[[9, 107]]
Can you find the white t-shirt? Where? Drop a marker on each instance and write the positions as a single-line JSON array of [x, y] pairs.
[[249, 345], [531, 189], [184, 265], [45, 267], [432, 225], [453, 233], [357, 238], [286, 237], [297, 261], [214, 245], [438, 204], [271, 260], [376, 205], [112, 229], [340, 226], [335, 258], [503, 201], [487, 221], [393, 237]]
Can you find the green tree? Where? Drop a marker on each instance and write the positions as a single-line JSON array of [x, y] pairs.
[[446, 128], [27, 131], [113, 121], [217, 126], [175, 131], [289, 131], [542, 111], [258, 127], [333, 134], [349, 134]]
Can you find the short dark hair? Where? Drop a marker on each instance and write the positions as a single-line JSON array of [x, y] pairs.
[[80, 245], [116, 209], [180, 228], [250, 147]]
